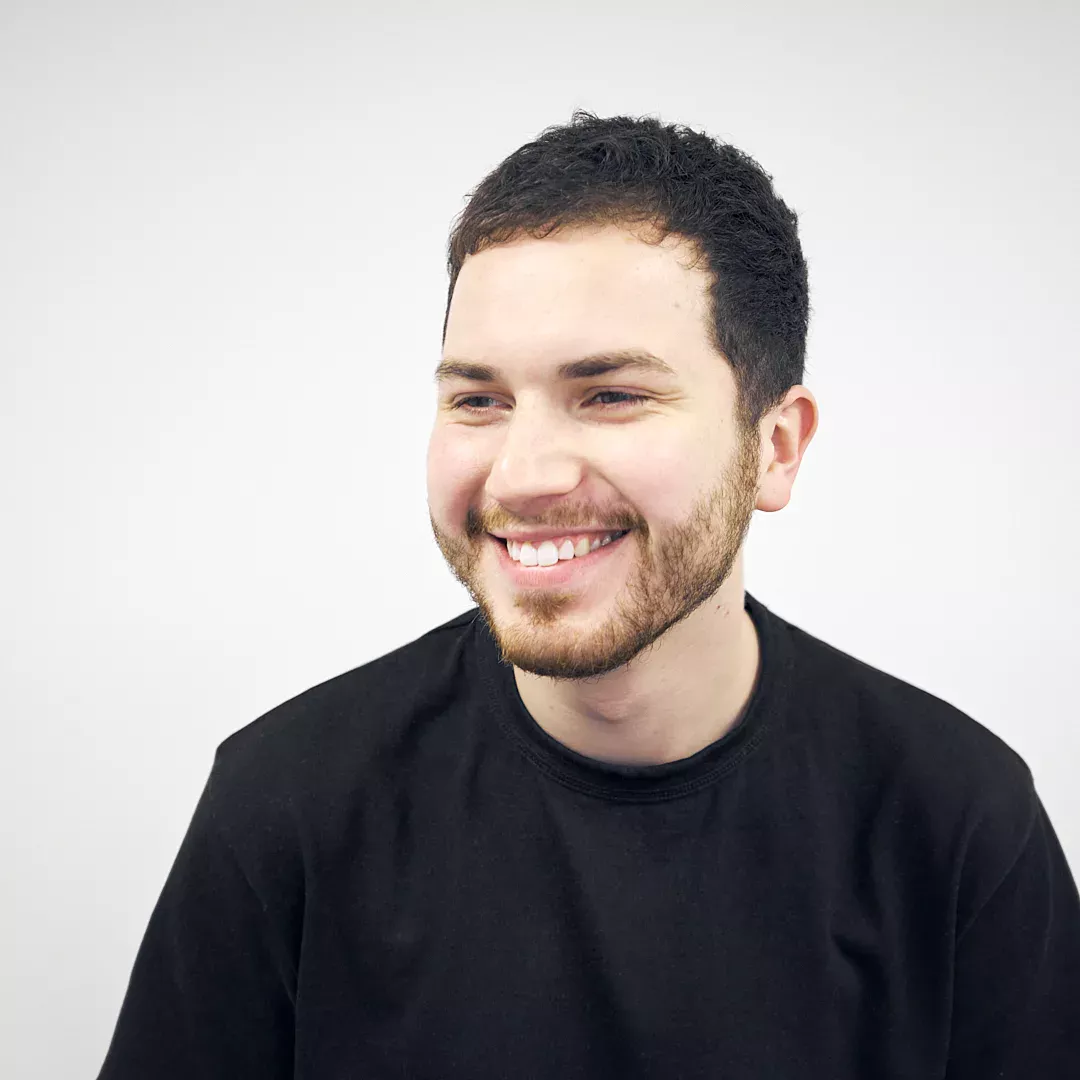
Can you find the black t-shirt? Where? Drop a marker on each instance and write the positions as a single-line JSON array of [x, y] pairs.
[[399, 874]]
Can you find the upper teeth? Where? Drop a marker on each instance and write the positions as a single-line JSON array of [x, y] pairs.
[[549, 552]]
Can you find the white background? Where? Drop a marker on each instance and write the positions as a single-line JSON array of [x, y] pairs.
[[222, 278]]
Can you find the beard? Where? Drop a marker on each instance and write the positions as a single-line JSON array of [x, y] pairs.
[[672, 575]]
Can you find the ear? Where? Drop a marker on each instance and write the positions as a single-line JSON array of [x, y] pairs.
[[788, 431]]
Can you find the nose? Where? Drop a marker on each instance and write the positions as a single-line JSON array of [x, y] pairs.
[[535, 460]]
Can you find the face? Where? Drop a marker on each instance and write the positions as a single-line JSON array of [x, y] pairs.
[[517, 444]]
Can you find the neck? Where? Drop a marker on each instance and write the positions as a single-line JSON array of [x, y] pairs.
[[686, 691]]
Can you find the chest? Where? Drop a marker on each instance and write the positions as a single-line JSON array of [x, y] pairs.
[[538, 941]]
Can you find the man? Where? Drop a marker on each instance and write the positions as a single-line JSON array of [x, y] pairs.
[[619, 819]]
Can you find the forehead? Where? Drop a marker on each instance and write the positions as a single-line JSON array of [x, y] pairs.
[[579, 292]]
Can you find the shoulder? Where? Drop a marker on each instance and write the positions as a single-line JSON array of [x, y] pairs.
[[394, 682], [942, 774], [322, 741]]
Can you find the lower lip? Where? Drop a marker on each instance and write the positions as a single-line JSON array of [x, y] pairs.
[[564, 572]]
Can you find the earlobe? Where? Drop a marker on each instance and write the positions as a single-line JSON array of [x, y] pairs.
[[775, 490]]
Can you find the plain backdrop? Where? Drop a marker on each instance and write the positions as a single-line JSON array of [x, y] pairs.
[[222, 272]]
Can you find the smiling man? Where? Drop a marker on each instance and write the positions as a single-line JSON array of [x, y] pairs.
[[619, 819], [596, 507]]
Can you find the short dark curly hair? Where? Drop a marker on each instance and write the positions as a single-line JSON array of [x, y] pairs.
[[639, 170]]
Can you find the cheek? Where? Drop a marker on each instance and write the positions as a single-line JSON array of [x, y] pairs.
[[659, 480], [455, 476]]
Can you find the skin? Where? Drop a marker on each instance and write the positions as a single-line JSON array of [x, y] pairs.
[[652, 657]]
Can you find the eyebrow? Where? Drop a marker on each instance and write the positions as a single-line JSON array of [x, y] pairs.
[[587, 367]]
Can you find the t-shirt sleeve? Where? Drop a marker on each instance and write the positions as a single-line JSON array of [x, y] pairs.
[[1016, 1003], [211, 993]]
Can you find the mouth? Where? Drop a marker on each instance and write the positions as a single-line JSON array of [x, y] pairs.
[[558, 549], [566, 569]]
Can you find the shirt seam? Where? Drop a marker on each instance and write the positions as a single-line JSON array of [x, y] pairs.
[[681, 790]]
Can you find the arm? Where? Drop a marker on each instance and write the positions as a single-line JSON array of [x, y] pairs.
[[1016, 1003], [212, 990]]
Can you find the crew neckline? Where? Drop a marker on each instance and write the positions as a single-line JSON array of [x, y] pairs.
[[634, 783]]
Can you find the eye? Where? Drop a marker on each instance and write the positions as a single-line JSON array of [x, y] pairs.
[[628, 400]]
